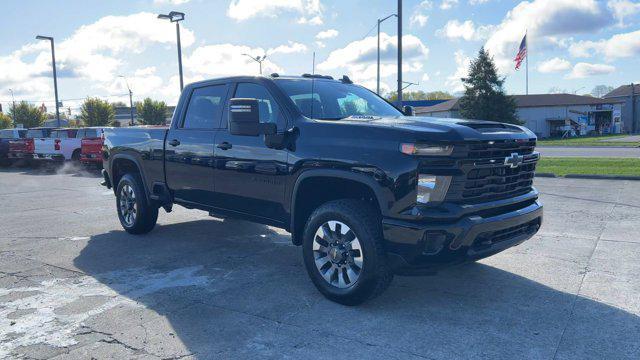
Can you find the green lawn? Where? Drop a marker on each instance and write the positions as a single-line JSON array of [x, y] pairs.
[[588, 141], [589, 166]]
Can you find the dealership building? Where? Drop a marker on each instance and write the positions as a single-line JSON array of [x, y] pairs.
[[552, 115]]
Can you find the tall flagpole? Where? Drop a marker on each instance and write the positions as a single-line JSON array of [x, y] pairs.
[[526, 44]]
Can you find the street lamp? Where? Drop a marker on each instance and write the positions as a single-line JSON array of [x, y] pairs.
[[257, 59], [409, 83], [399, 12], [378, 78], [55, 76], [13, 109], [130, 98], [176, 17]]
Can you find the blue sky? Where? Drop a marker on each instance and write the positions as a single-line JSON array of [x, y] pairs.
[[574, 45]]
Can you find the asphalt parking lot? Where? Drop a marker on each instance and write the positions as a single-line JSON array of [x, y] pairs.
[[73, 285]]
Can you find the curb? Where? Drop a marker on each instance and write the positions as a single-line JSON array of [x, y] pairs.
[[593, 177]]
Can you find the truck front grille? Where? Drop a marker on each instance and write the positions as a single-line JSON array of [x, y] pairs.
[[487, 176]]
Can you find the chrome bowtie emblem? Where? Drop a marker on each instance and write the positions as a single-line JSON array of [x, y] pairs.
[[514, 160]]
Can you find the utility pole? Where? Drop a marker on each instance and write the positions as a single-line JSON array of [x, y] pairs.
[[259, 60], [131, 123], [55, 76], [378, 77], [13, 109], [400, 54]]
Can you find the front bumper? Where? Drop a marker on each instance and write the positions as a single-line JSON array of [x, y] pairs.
[[425, 247]]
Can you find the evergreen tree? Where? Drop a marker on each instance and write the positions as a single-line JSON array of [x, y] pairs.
[[484, 97], [28, 115], [151, 112]]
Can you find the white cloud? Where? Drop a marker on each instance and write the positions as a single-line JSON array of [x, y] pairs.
[[554, 65], [170, 2], [364, 51], [226, 60], [327, 34], [467, 30], [309, 10], [419, 17], [623, 8], [583, 70], [94, 52], [618, 46], [292, 47], [425, 77], [477, 2], [544, 20], [454, 81], [448, 4]]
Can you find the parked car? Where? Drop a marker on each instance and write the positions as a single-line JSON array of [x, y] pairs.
[[24, 149], [60, 145], [367, 191], [7, 135], [92, 139]]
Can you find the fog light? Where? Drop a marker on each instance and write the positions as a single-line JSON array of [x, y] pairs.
[[432, 188]]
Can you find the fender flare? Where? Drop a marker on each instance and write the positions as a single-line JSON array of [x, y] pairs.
[[380, 192], [138, 164]]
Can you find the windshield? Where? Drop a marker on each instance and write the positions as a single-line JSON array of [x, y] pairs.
[[332, 100]]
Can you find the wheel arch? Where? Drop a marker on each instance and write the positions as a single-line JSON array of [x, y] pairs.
[[121, 164]]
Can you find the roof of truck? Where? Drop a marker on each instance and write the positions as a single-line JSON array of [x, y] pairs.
[[273, 76]]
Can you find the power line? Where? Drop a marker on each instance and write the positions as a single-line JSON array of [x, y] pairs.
[[71, 99]]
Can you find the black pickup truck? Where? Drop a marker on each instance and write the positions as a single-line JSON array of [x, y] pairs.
[[368, 191]]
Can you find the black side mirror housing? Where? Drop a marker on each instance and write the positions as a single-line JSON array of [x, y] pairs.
[[408, 110], [244, 119]]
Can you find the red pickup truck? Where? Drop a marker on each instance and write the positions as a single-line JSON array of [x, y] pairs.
[[91, 145], [24, 149]]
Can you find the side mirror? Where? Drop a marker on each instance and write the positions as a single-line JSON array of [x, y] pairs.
[[244, 119], [408, 110]]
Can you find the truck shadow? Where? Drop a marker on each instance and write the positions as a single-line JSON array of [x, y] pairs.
[[67, 168], [237, 289]]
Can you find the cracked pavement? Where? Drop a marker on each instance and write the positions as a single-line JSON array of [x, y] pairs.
[[73, 285]]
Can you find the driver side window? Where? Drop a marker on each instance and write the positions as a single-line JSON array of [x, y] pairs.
[[269, 109]]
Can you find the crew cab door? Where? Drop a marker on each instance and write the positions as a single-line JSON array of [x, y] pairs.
[[190, 143], [250, 177]]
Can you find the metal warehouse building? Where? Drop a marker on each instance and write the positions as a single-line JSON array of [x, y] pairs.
[[550, 115]]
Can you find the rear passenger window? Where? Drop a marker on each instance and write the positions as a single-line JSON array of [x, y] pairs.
[[205, 107]]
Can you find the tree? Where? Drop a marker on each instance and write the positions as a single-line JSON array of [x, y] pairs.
[[26, 114], [420, 95], [120, 104], [151, 112], [601, 90], [5, 121], [484, 97], [96, 112]]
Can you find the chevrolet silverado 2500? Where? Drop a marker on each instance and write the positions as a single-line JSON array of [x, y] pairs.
[[367, 191]]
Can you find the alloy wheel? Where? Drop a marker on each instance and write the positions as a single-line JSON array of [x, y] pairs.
[[338, 254], [128, 207]]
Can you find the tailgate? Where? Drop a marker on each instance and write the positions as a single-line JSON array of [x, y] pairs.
[[91, 145], [44, 146]]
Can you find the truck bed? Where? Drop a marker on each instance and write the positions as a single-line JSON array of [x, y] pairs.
[[145, 144]]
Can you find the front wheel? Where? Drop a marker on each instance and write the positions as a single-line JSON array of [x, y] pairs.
[[136, 215], [343, 252]]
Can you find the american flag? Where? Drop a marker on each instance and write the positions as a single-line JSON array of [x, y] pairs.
[[522, 53]]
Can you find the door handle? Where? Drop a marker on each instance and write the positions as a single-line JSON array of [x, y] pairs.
[[224, 146], [174, 142]]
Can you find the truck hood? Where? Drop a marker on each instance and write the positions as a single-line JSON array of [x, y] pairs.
[[445, 129]]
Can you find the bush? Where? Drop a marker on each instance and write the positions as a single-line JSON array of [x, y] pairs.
[[96, 112], [5, 121], [151, 112], [28, 115]]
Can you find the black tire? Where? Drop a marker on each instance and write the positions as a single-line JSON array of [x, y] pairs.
[[146, 215], [362, 218], [75, 157]]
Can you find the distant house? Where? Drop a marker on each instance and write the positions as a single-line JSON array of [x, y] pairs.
[[550, 115], [630, 96]]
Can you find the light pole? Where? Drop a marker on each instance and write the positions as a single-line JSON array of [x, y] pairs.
[[13, 109], [130, 98], [176, 17], [55, 76], [400, 54], [257, 59], [409, 83], [378, 78]]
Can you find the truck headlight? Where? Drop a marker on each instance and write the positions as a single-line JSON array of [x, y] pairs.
[[432, 188], [426, 149]]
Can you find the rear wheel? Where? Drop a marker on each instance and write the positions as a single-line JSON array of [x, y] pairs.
[[343, 252], [75, 157], [136, 215]]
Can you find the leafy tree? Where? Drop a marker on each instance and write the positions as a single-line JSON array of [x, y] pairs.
[[484, 97], [556, 90], [601, 90], [151, 112], [420, 95], [120, 104], [96, 112], [26, 114], [5, 121]]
